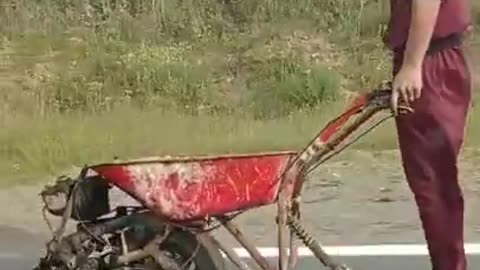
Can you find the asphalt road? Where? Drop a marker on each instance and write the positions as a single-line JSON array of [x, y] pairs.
[[20, 251], [26, 261], [383, 263]]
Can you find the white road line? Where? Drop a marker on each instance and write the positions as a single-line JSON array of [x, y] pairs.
[[366, 250]]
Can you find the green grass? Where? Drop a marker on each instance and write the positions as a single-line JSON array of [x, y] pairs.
[[81, 84], [33, 148], [56, 143]]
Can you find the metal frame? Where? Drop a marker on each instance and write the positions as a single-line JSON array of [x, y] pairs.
[[320, 149], [288, 207]]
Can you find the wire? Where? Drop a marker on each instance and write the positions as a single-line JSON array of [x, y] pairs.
[[45, 218], [192, 257]]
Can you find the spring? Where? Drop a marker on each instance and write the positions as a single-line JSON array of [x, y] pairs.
[[295, 226]]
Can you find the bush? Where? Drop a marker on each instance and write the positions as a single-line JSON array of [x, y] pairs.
[[190, 56], [286, 86]]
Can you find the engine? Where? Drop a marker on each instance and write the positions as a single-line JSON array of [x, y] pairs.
[[89, 195]]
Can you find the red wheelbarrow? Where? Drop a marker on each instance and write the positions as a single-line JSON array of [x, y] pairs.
[[196, 195]]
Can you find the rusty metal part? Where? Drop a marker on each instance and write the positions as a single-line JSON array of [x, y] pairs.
[[45, 218], [293, 258], [326, 151], [65, 249], [66, 216], [364, 108], [251, 249], [150, 249], [282, 231], [321, 150], [294, 174], [311, 156], [231, 255], [192, 257], [336, 152], [124, 242], [165, 262], [291, 179], [131, 256], [329, 146], [313, 245], [67, 212]]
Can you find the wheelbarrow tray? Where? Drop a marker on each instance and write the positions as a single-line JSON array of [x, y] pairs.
[[186, 188]]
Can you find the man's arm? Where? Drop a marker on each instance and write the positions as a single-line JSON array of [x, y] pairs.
[[424, 17], [408, 83]]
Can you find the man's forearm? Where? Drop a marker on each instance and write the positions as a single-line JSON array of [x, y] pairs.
[[424, 17]]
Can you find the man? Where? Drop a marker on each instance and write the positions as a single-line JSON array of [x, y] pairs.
[[431, 74]]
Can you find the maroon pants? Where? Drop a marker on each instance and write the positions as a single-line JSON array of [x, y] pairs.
[[430, 140]]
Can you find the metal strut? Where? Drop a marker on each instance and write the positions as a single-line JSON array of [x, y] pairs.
[[308, 240]]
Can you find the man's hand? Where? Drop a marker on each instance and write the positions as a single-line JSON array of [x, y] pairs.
[[407, 84]]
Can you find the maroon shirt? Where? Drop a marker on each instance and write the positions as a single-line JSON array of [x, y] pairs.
[[454, 16]]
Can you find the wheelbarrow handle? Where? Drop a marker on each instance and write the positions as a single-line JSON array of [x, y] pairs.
[[363, 107], [381, 97]]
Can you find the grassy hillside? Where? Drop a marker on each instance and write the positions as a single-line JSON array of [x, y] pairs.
[[83, 81]]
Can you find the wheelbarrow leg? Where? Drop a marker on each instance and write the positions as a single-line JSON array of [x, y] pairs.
[[313, 245], [293, 258], [282, 233], [231, 255], [252, 250]]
